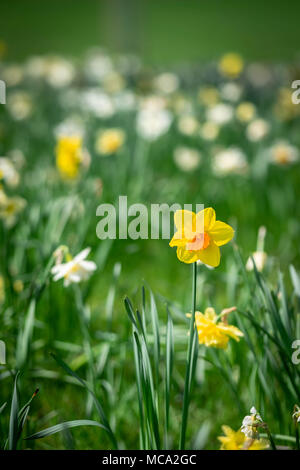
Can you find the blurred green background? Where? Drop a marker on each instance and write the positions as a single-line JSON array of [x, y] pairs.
[[161, 31]]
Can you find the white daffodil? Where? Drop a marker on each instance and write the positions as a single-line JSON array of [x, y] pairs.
[[251, 423], [8, 173], [151, 124], [232, 160], [75, 270], [187, 159]]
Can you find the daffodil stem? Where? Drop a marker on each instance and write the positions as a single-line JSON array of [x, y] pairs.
[[189, 370], [273, 446], [297, 436]]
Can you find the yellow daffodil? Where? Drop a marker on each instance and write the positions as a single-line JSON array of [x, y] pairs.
[[110, 141], [69, 156], [245, 111], [236, 440], [213, 333], [199, 236], [231, 65]]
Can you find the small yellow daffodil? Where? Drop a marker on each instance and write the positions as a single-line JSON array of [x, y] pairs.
[[110, 141], [199, 236], [214, 333], [236, 440], [231, 65], [69, 156]]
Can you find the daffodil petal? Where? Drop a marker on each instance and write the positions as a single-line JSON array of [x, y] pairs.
[[211, 255], [186, 256], [185, 222], [221, 233], [205, 219], [177, 240]]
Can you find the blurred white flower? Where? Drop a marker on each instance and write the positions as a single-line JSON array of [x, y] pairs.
[[283, 153], [258, 74], [8, 173], [59, 72], [187, 159], [55, 70], [257, 130], [35, 67], [166, 83], [72, 126], [98, 103], [12, 74], [209, 130], [16, 156], [75, 270], [151, 123], [97, 66], [232, 160], [231, 91], [19, 104], [10, 208], [187, 124], [220, 113], [251, 424], [260, 258]]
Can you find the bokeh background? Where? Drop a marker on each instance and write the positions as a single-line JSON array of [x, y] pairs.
[[161, 32]]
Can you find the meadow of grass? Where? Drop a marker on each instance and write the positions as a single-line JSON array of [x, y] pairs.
[[111, 350]]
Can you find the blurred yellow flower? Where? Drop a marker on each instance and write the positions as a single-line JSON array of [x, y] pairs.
[[284, 108], [208, 95], [231, 65], [213, 333], [245, 111], [109, 141], [10, 207], [199, 236], [236, 440], [69, 156], [18, 286]]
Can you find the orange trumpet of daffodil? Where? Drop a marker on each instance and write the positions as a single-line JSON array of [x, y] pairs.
[[199, 236]]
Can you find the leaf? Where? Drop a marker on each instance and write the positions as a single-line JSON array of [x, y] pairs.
[[96, 401], [62, 426], [13, 420]]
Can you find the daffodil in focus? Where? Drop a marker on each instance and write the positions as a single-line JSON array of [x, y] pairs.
[[231, 65], [236, 440], [69, 156], [109, 141], [199, 236], [75, 269], [296, 414], [251, 424], [214, 333]]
